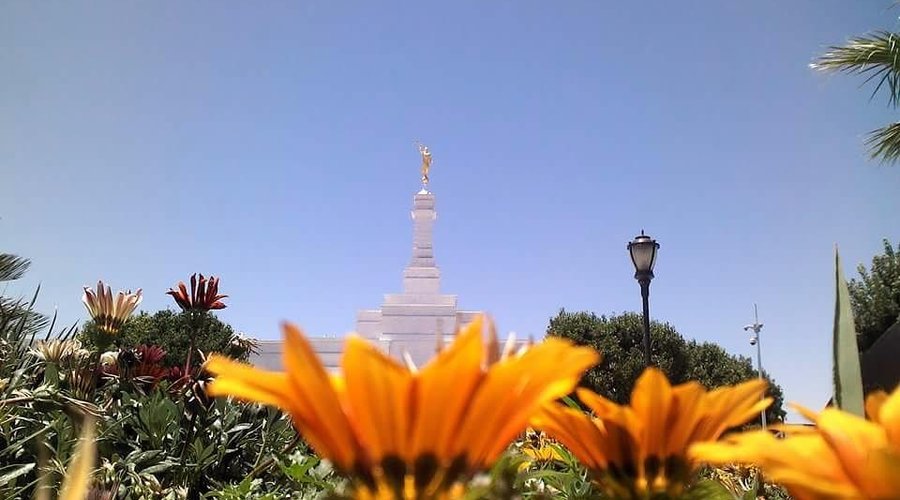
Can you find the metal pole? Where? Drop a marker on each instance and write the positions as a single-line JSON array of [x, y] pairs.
[[756, 327], [645, 295], [759, 364]]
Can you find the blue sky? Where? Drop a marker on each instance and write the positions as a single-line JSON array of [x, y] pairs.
[[272, 144]]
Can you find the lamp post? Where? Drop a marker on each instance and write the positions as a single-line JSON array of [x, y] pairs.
[[643, 256], [754, 340]]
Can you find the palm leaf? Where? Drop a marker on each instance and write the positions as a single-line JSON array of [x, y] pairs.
[[12, 267], [876, 55], [884, 143]]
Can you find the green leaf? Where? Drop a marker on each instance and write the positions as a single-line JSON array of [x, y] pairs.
[[571, 403], [160, 467], [753, 492], [139, 457], [708, 489], [11, 472], [848, 387]]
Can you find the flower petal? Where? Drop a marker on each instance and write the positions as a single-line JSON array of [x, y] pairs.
[[248, 383], [316, 401], [444, 390], [804, 463], [516, 387], [379, 391]]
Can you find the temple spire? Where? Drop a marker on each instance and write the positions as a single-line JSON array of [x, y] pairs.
[[423, 216]]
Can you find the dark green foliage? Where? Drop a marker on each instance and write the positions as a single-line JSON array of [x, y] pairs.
[[875, 296], [173, 332], [155, 440], [518, 476], [158, 443], [33, 414], [618, 338]]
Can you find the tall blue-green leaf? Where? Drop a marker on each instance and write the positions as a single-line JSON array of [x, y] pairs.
[[848, 387]]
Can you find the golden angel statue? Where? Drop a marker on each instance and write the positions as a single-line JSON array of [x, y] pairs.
[[426, 162]]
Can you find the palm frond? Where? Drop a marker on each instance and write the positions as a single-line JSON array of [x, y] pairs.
[[876, 55], [12, 267], [19, 320], [884, 143]]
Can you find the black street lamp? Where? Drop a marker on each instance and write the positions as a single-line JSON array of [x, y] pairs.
[[643, 256]]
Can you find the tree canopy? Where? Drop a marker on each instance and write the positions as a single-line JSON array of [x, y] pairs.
[[875, 296], [173, 331], [618, 338]]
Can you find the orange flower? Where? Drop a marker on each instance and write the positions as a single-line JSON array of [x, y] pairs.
[[204, 294], [641, 449], [109, 314], [402, 433], [843, 456]]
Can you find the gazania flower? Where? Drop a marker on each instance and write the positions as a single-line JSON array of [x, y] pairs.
[[149, 367], [109, 314], [403, 433], [109, 363], [81, 382], [538, 448], [843, 456], [58, 351], [640, 450], [204, 294], [150, 354]]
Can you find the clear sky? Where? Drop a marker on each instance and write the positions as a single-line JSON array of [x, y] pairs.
[[271, 144]]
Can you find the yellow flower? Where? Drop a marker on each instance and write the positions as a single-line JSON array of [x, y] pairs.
[[537, 448], [843, 456], [109, 314], [402, 433], [638, 450]]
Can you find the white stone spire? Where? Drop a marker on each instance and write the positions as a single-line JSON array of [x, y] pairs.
[[422, 277], [411, 322], [423, 216]]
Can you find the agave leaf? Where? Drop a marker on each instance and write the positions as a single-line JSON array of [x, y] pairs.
[[848, 387], [78, 476]]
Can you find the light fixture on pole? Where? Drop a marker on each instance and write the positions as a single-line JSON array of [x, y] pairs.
[[754, 340], [643, 256]]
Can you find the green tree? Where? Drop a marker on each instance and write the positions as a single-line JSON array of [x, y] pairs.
[[713, 366], [875, 56], [618, 338], [875, 296], [173, 331]]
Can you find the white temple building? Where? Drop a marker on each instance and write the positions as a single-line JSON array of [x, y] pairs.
[[407, 322]]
